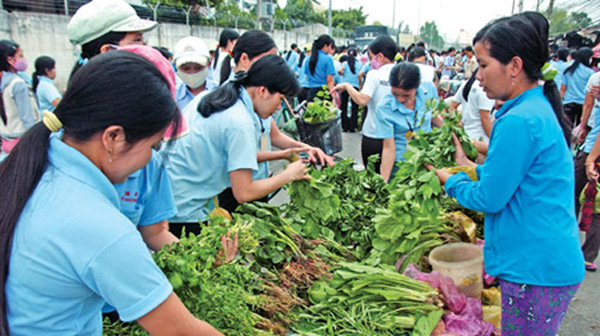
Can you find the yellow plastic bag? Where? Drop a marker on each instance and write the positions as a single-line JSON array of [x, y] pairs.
[[471, 172], [492, 296], [468, 225], [493, 314], [218, 211]]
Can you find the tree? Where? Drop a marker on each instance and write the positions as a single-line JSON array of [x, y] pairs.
[[302, 10], [406, 30], [430, 34], [580, 20], [377, 23], [348, 19], [561, 21]]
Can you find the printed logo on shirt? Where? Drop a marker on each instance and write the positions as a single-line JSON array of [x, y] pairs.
[[128, 198], [384, 83]]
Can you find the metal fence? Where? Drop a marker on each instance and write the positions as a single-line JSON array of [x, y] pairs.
[[168, 14]]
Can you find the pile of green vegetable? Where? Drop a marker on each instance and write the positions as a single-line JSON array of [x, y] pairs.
[[321, 109], [326, 263]]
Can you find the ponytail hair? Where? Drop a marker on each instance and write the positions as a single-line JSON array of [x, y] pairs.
[[116, 88], [469, 85], [582, 56], [226, 36], [42, 64], [7, 49], [319, 43], [252, 43], [352, 60], [92, 48], [269, 71], [525, 35]]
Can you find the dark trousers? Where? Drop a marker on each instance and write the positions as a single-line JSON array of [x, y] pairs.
[[370, 146], [349, 124], [312, 93], [303, 95], [177, 229], [592, 236], [228, 202], [573, 111]]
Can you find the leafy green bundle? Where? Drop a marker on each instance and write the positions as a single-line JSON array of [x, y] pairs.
[[364, 300]]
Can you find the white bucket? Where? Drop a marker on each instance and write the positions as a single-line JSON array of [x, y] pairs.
[[463, 263]]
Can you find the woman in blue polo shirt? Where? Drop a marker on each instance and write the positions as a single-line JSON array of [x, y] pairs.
[[220, 150], [69, 249], [526, 184], [43, 83], [401, 113], [320, 69], [574, 81], [349, 70]]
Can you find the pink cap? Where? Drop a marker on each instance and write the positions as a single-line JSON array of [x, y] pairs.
[[165, 67]]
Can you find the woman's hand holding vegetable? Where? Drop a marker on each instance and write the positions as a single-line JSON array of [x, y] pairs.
[[459, 156], [339, 87], [229, 249], [442, 175], [296, 171]]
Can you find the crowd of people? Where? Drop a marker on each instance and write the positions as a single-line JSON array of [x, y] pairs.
[[145, 142]]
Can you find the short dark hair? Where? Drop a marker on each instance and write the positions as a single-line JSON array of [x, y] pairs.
[[405, 76], [385, 45], [416, 52], [562, 53]]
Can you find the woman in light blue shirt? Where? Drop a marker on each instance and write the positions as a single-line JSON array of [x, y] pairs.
[[69, 248], [573, 85], [43, 84], [320, 69], [349, 71], [401, 113], [225, 131], [526, 184]]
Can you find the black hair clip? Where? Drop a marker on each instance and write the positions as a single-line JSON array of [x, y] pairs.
[[239, 76]]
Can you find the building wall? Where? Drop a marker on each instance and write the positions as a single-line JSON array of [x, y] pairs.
[[46, 34]]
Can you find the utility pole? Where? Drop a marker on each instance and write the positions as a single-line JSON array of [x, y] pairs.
[[520, 6], [66, 7], [537, 5], [394, 16], [512, 12], [550, 7], [330, 18], [259, 13]]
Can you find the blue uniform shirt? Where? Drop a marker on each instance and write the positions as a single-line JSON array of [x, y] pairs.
[[559, 65], [393, 119], [349, 76], [146, 197], [292, 60], [73, 252], [526, 188], [263, 167], [183, 96], [303, 76], [46, 92], [199, 163], [323, 68], [576, 82]]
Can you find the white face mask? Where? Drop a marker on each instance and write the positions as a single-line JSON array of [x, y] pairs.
[[194, 80]]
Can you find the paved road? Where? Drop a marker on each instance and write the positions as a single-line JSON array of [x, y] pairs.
[[583, 317]]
